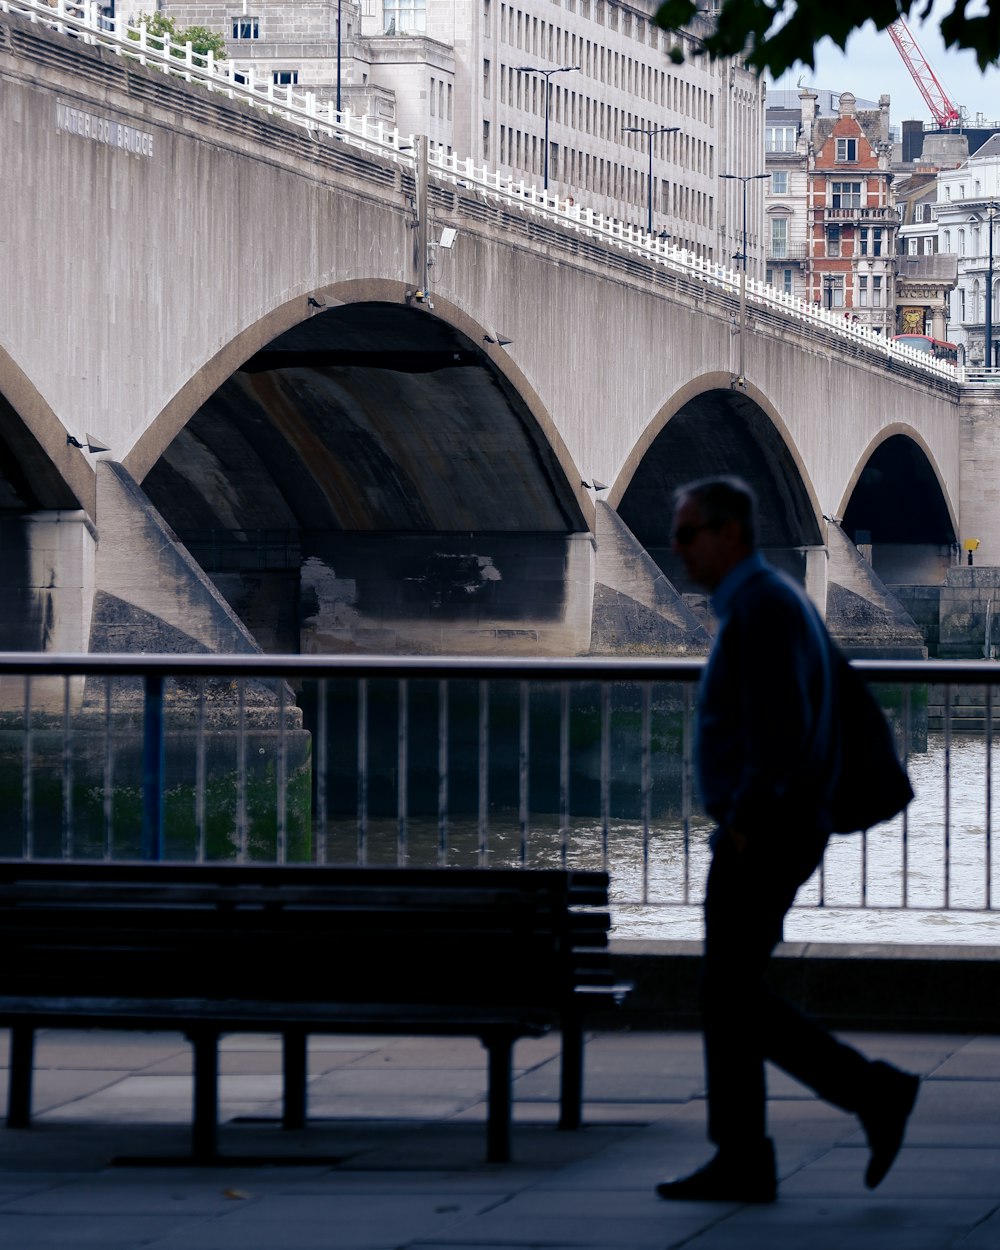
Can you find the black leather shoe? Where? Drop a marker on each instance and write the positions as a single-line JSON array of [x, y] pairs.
[[884, 1117], [732, 1176]]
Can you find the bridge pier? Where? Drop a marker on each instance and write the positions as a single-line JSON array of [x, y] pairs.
[[150, 595], [862, 614], [47, 568]]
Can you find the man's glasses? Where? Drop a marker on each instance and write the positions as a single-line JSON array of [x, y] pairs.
[[684, 535]]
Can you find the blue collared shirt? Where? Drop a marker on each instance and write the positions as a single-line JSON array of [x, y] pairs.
[[765, 712]]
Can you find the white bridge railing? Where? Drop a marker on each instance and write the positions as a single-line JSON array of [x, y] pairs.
[[84, 20]]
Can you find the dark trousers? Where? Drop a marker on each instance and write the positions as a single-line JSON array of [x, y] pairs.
[[748, 895]]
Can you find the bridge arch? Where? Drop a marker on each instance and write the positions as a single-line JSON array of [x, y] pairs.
[[369, 440], [896, 507], [294, 314], [39, 469], [709, 427]]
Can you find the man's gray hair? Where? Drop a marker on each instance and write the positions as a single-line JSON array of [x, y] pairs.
[[723, 499]]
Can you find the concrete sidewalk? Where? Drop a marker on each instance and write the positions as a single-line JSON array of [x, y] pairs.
[[393, 1154]]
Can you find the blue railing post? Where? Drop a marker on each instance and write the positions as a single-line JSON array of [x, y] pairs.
[[153, 763]]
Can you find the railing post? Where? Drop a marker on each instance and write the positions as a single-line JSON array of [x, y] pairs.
[[153, 762]]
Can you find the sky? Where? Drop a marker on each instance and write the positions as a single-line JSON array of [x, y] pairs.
[[872, 66]]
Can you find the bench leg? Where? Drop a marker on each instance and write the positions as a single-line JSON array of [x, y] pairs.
[[204, 1130], [295, 1044], [22, 1066], [571, 1073], [500, 1046]]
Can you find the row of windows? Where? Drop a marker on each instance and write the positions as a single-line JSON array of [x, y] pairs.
[[970, 305], [783, 139], [869, 291], [922, 246], [549, 42], [979, 240], [869, 241], [248, 27], [593, 117], [441, 99], [524, 151], [633, 25]]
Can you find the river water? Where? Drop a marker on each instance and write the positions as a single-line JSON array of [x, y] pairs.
[[936, 882]]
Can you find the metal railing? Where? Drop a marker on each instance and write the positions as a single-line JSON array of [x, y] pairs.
[[86, 21], [464, 761]]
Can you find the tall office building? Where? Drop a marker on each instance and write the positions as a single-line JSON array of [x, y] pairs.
[[490, 79]]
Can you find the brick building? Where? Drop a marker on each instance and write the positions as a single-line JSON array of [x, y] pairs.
[[832, 221]]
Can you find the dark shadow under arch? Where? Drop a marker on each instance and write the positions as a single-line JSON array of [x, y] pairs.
[[721, 431], [369, 479], [898, 498], [369, 417]]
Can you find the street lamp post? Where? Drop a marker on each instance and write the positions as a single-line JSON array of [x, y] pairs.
[[534, 69], [650, 131], [744, 178], [991, 208]]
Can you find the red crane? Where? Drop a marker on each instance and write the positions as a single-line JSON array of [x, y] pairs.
[[942, 109]]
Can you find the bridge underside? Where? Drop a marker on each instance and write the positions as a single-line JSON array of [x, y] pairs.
[[897, 511], [371, 481], [717, 432]]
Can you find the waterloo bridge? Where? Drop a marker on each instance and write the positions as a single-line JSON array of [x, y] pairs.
[[250, 397]]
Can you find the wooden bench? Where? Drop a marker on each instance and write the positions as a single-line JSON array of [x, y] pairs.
[[212, 949]]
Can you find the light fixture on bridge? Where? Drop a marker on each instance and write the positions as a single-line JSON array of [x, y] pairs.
[[317, 302], [650, 132], [739, 382], [595, 485], [499, 339], [448, 236], [547, 73], [93, 445]]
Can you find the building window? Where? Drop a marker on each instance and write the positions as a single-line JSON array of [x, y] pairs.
[[779, 237], [246, 27], [946, 240], [781, 278], [404, 17], [833, 290], [847, 150], [871, 241], [845, 195], [780, 138], [833, 240], [876, 292], [285, 77], [862, 292], [913, 246], [486, 141], [779, 182], [486, 80]]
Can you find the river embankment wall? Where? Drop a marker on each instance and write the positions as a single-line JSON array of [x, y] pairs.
[[882, 986]]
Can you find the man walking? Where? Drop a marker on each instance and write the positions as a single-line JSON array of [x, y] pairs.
[[766, 770]]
